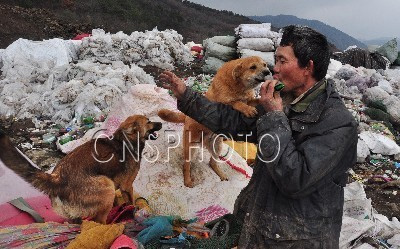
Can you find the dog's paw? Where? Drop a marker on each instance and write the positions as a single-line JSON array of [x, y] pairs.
[[223, 178], [188, 184], [250, 112]]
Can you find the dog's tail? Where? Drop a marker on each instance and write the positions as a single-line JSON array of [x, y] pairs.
[[14, 160], [170, 116]]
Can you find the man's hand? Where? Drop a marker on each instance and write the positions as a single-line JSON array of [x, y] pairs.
[[173, 83], [270, 99]]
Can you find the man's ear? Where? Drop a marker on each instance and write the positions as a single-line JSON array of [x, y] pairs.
[[236, 72], [309, 68]]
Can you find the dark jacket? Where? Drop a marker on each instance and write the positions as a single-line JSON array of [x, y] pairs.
[[295, 196]]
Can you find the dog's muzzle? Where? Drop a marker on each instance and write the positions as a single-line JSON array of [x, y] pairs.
[[153, 135]]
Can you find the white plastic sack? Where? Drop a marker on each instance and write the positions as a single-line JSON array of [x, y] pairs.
[[262, 30], [384, 228], [258, 44], [268, 57], [212, 65], [160, 179], [395, 241], [27, 61], [333, 67], [379, 144], [221, 52], [13, 186], [352, 229], [356, 205], [229, 41]]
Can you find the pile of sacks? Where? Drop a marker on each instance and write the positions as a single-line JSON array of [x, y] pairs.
[[250, 40], [64, 80], [218, 50], [257, 40]]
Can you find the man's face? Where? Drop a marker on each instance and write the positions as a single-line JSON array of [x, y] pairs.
[[288, 71]]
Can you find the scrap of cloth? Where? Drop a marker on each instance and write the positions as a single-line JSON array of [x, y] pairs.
[[38, 235], [96, 236]]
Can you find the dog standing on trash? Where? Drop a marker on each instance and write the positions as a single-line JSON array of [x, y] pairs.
[[233, 85], [83, 183]]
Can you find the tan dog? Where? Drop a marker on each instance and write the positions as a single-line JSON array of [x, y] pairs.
[[83, 183], [234, 85]]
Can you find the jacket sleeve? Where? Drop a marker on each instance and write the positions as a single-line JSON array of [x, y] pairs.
[[299, 169], [218, 117]]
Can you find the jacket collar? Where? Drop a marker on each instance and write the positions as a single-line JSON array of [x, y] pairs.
[[311, 105]]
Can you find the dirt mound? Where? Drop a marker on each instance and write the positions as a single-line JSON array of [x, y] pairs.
[[35, 24]]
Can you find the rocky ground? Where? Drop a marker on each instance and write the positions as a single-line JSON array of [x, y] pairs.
[[385, 198]]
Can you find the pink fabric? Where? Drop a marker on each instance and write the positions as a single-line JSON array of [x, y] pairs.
[[196, 49], [81, 36], [12, 216], [120, 214], [124, 241]]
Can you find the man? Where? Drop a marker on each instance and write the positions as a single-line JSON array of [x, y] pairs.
[[295, 196]]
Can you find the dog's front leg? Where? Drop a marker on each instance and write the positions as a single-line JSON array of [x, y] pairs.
[[126, 185], [247, 110], [253, 102]]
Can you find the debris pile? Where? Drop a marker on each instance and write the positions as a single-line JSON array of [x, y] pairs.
[[156, 48]]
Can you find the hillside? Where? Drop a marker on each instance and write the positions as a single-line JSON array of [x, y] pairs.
[[46, 19], [340, 39]]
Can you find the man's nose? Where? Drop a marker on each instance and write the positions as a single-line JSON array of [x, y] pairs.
[[275, 70]]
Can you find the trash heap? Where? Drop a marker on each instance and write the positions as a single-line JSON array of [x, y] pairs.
[[376, 57], [67, 79], [373, 98], [362, 226], [156, 48], [257, 40]]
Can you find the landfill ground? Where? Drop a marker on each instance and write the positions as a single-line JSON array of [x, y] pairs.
[[385, 197]]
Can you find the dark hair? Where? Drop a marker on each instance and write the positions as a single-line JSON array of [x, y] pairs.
[[307, 45]]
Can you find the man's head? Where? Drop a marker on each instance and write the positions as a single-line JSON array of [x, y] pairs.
[[307, 45], [301, 60]]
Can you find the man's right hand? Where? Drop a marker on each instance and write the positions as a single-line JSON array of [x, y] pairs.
[[173, 83]]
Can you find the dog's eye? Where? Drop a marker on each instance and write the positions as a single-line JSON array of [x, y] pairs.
[[253, 67], [265, 64]]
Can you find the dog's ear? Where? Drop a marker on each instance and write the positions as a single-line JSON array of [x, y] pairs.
[[126, 130], [236, 72]]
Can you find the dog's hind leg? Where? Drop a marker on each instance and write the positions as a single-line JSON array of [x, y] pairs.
[[104, 199], [215, 149]]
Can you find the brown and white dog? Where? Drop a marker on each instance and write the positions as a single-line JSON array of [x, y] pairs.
[[83, 183], [234, 85]]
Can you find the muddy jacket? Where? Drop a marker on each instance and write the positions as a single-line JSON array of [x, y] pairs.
[[295, 196]]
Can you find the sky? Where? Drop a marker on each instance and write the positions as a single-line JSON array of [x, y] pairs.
[[361, 19]]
